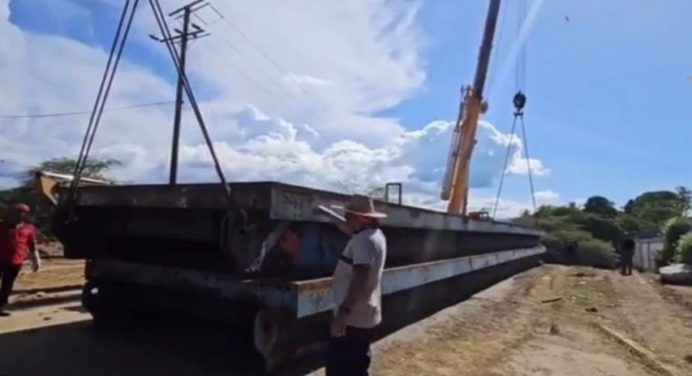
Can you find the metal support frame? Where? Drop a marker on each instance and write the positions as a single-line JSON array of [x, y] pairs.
[[303, 298]]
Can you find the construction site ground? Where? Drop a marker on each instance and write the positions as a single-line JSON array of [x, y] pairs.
[[550, 320]]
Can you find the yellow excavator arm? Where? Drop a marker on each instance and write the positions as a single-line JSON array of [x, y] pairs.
[[47, 184]]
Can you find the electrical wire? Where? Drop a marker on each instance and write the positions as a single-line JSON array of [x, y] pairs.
[[276, 65], [79, 113], [270, 94]]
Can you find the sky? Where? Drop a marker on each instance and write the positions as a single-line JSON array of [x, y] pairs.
[[350, 95]]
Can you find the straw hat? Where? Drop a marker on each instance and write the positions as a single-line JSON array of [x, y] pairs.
[[363, 206]]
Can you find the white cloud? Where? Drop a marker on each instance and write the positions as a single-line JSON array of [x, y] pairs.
[[303, 83], [547, 195], [314, 128]]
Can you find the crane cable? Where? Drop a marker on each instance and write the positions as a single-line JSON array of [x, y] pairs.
[[519, 102], [123, 30]]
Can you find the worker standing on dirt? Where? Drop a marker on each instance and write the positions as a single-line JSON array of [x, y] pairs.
[[17, 242], [626, 255], [356, 288]]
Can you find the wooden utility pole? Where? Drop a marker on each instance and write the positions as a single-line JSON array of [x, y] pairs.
[[181, 37]]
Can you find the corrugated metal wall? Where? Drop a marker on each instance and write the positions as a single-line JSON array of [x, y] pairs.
[[645, 253]]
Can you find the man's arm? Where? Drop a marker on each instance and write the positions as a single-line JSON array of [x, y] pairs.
[[363, 255], [356, 288], [33, 253]]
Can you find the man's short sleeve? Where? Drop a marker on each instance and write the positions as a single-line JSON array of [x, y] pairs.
[[363, 251]]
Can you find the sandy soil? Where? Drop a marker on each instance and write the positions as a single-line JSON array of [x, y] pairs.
[[521, 333], [57, 279]]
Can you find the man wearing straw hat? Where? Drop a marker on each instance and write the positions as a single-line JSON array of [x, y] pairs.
[[356, 288]]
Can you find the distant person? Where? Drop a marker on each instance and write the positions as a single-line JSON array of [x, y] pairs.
[[356, 287], [626, 255], [17, 242]]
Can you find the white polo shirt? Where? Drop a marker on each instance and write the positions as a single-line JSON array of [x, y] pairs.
[[365, 247]]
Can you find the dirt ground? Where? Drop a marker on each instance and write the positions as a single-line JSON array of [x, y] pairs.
[[546, 321], [56, 278], [548, 324]]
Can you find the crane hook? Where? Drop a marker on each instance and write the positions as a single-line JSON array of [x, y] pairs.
[[519, 102]]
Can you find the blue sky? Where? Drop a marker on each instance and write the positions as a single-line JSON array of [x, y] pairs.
[[608, 91]]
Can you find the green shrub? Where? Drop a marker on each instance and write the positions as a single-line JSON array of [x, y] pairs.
[[684, 249], [551, 242], [672, 231], [572, 235], [594, 252]]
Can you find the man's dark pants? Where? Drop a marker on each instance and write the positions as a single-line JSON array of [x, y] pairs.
[[8, 274], [626, 264], [350, 354]]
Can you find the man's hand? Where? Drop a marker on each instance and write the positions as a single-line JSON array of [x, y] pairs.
[[35, 266], [338, 326]]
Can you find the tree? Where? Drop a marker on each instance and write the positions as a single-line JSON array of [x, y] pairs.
[[675, 228], [656, 206], [684, 249], [685, 198], [601, 206], [604, 229], [96, 168], [629, 207], [632, 225]]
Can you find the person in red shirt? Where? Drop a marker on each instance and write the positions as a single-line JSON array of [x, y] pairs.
[[17, 242]]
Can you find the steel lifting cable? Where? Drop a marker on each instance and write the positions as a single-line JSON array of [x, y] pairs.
[[519, 102], [104, 89], [229, 222], [528, 163], [504, 166], [163, 27]]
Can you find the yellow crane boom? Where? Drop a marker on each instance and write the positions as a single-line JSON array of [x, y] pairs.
[[455, 187]]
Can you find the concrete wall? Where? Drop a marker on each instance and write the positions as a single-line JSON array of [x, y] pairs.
[[645, 253]]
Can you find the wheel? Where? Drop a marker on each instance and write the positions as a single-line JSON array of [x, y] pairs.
[[107, 306]]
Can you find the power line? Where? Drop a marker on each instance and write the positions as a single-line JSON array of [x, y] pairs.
[[270, 94], [79, 113], [279, 69]]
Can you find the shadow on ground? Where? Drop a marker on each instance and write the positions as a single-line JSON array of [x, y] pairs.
[[176, 347], [165, 349]]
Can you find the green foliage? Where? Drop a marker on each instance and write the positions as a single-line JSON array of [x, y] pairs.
[[601, 206], [684, 249], [629, 224], [551, 242], [674, 229], [659, 206], [594, 252], [567, 236], [685, 198], [605, 229], [599, 226]]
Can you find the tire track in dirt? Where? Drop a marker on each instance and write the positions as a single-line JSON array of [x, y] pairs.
[[471, 339], [659, 324]]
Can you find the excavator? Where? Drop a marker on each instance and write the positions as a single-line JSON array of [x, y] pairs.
[[47, 184]]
